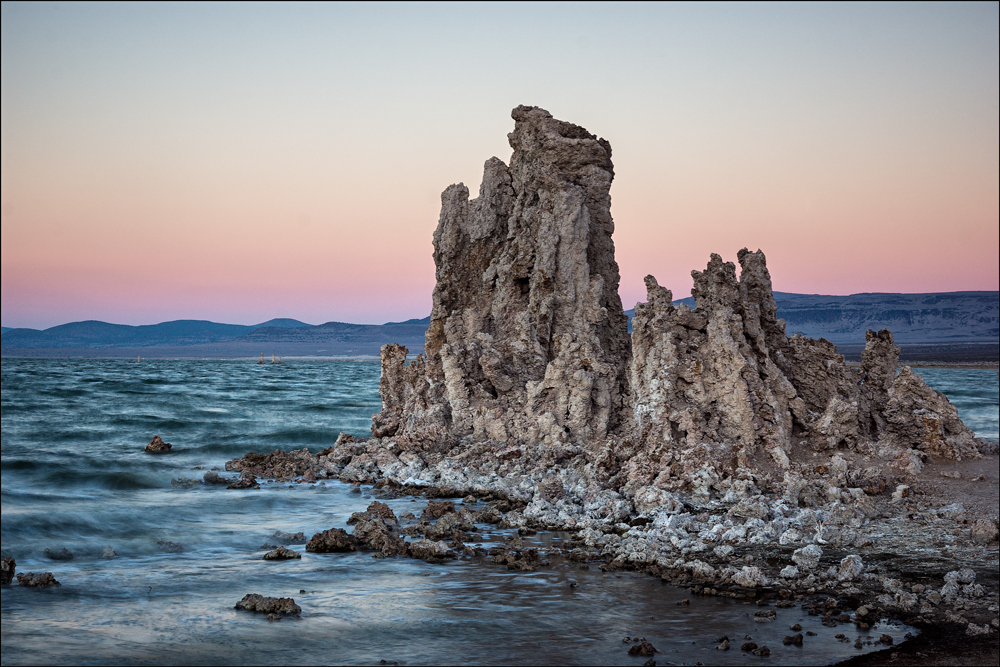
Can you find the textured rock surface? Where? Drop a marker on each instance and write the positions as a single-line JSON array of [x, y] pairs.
[[157, 446], [331, 541], [714, 450], [266, 605], [37, 579], [281, 553], [7, 567], [527, 358], [528, 341]]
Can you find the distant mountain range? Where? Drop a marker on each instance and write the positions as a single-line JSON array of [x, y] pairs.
[[937, 317], [964, 321]]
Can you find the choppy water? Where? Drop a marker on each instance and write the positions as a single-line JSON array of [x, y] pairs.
[[74, 475]]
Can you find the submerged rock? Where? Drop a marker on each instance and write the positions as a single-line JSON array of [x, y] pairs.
[[265, 605], [289, 538], [170, 547], [157, 446], [62, 554], [7, 566], [37, 580]]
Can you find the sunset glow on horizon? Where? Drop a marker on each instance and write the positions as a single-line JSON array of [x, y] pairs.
[[238, 163]]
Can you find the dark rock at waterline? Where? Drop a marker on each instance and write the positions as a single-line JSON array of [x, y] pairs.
[[282, 466], [157, 446], [525, 560], [748, 646], [264, 605], [644, 649], [378, 533], [62, 554], [335, 540], [214, 478], [429, 550], [247, 480], [37, 580], [763, 651], [185, 482], [793, 640], [885, 639], [289, 538], [7, 566], [376, 512], [438, 508], [281, 553]]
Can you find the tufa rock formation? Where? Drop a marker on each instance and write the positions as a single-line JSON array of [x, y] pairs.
[[157, 446], [528, 346], [528, 341]]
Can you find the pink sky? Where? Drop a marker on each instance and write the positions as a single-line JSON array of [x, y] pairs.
[[238, 163]]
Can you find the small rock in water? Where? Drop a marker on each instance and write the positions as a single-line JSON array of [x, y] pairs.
[[643, 649], [62, 554], [39, 580], [793, 640], [264, 605], [748, 646], [273, 617], [247, 480], [335, 540], [289, 538], [214, 478], [108, 553], [723, 645], [7, 566], [185, 482], [281, 553], [885, 639], [763, 651], [157, 446]]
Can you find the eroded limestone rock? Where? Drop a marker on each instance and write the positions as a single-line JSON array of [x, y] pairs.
[[527, 341], [157, 446], [268, 605]]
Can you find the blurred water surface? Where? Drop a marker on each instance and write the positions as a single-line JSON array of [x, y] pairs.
[[74, 475]]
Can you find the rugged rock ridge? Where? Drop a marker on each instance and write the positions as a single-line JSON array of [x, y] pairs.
[[528, 351], [527, 339], [716, 387]]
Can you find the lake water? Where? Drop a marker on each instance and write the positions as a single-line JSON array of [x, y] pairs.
[[74, 475]]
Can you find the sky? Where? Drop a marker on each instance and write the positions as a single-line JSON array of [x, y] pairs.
[[238, 162]]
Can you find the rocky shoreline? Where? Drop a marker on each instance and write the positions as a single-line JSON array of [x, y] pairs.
[[707, 447], [890, 553]]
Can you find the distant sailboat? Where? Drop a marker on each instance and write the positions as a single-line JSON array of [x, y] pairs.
[[261, 359]]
